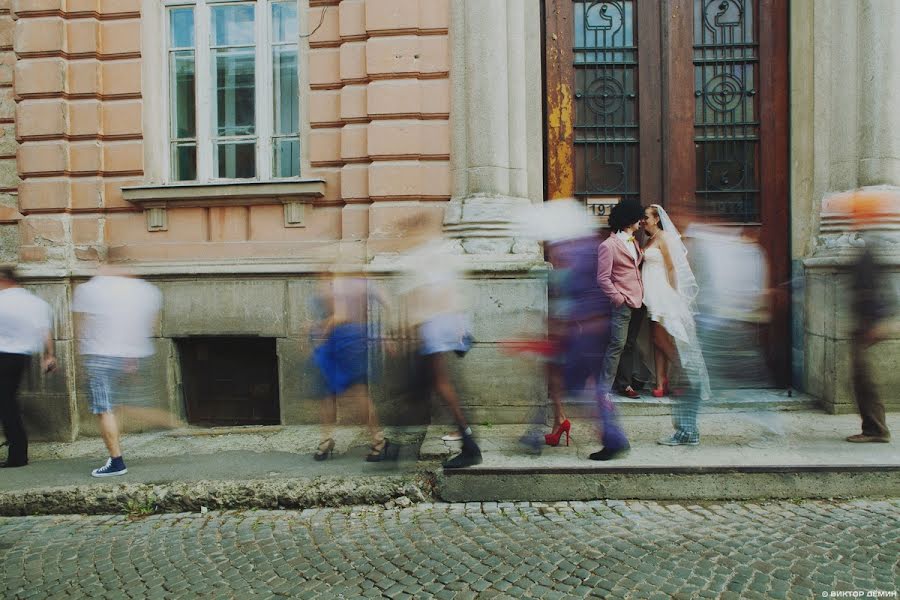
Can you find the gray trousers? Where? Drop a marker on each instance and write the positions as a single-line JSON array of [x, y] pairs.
[[871, 408], [621, 354]]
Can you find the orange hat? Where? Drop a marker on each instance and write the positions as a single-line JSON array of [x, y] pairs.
[[865, 206]]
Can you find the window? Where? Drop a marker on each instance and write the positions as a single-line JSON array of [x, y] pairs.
[[234, 91]]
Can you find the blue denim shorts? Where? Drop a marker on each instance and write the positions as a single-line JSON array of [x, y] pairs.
[[104, 378]]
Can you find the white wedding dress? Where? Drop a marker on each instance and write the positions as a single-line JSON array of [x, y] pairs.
[[664, 304], [669, 307]]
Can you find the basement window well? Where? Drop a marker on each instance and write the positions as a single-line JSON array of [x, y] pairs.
[[229, 380]]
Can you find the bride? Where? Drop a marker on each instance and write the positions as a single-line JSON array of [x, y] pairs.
[[670, 291]]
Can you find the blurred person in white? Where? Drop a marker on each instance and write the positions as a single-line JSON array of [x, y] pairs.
[[734, 309], [25, 325], [435, 308], [116, 318]]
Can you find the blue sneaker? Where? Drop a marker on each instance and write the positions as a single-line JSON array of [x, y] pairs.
[[679, 441], [112, 468]]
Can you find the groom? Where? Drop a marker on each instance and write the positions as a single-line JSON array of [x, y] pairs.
[[619, 276]]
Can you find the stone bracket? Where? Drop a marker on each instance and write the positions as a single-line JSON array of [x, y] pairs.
[[157, 219], [292, 194], [294, 213]]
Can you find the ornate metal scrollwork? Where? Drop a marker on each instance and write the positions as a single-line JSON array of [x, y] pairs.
[[726, 126], [606, 125]]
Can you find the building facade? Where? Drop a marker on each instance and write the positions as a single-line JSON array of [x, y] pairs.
[[233, 151]]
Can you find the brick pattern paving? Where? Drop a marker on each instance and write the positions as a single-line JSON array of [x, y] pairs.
[[605, 549]]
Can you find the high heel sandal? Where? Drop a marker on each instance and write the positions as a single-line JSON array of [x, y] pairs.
[[326, 447], [663, 391], [381, 450], [552, 439]]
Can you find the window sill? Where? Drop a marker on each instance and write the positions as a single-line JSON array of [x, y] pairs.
[[292, 193], [227, 193]]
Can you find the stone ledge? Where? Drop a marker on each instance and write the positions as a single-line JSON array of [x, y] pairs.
[[847, 260], [9, 215], [470, 485], [250, 267]]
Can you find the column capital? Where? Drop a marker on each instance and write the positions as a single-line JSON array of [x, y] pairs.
[[840, 238], [496, 123]]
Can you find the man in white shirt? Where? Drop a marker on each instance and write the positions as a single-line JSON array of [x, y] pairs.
[[435, 308], [118, 315], [25, 324]]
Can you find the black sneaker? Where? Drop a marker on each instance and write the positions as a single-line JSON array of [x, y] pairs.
[[464, 459], [608, 454], [110, 469]]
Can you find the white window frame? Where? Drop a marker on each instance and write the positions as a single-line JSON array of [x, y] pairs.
[[264, 107]]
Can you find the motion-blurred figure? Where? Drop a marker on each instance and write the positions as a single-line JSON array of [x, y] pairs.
[[579, 319], [342, 356], [435, 309], [735, 306], [117, 316], [872, 305], [25, 323]]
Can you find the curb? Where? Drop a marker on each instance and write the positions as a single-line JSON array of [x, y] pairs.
[[146, 499]]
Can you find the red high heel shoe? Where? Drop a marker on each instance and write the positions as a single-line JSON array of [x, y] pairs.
[[552, 439], [663, 391]]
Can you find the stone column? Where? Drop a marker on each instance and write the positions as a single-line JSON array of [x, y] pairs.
[[844, 137], [879, 90], [495, 150]]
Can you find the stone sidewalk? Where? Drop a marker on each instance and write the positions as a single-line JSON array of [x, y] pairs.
[[235, 467], [742, 455]]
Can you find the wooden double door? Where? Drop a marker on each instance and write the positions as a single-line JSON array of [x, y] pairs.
[[682, 103]]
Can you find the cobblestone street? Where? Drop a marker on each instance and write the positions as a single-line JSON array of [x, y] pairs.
[[508, 550]]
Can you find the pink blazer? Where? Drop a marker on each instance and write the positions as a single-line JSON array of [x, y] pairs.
[[618, 274]]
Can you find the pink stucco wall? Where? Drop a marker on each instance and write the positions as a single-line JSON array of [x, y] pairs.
[[377, 101]]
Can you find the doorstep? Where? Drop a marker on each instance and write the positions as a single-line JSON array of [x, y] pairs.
[[762, 454]]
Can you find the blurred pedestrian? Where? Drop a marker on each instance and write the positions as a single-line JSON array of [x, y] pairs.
[[25, 329], [117, 315], [436, 310], [578, 320], [735, 308], [341, 355], [872, 304]]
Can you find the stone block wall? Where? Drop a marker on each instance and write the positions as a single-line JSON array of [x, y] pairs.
[[375, 104], [844, 127], [827, 344], [494, 386], [9, 175], [77, 85], [379, 106], [376, 101]]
